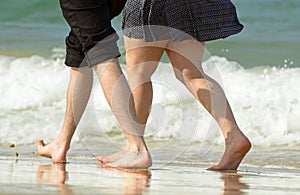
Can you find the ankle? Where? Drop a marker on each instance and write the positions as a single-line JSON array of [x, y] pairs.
[[239, 141], [62, 144], [136, 146], [232, 133]]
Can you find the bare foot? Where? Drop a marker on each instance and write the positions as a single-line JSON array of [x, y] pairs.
[[112, 157], [130, 159], [54, 151], [234, 153]]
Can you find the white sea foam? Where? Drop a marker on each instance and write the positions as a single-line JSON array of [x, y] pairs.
[[265, 101], [32, 96]]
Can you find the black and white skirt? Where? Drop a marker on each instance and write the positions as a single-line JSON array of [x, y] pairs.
[[178, 20]]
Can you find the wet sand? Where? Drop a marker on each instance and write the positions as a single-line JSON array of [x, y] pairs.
[[35, 175]]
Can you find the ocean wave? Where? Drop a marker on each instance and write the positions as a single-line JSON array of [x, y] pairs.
[[265, 101]]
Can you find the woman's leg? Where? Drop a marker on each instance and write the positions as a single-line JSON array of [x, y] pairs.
[[141, 61], [186, 58]]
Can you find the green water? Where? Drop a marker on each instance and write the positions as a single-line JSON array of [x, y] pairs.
[[271, 35]]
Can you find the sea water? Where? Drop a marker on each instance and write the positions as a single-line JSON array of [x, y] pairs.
[[258, 69]]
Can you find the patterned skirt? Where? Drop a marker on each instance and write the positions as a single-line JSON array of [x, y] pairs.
[[178, 20]]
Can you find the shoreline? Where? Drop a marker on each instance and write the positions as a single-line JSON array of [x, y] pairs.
[[35, 175], [257, 158]]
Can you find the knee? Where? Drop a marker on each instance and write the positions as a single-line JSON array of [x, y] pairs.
[[188, 75], [140, 73], [196, 81]]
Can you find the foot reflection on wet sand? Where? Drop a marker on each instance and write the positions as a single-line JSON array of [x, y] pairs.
[[232, 183], [53, 174], [134, 181]]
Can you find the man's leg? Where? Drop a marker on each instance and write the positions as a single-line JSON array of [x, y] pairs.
[[79, 90], [80, 85], [186, 58], [93, 35]]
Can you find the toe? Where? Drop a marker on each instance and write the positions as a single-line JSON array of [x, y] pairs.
[[101, 159], [215, 168], [40, 143], [110, 165]]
